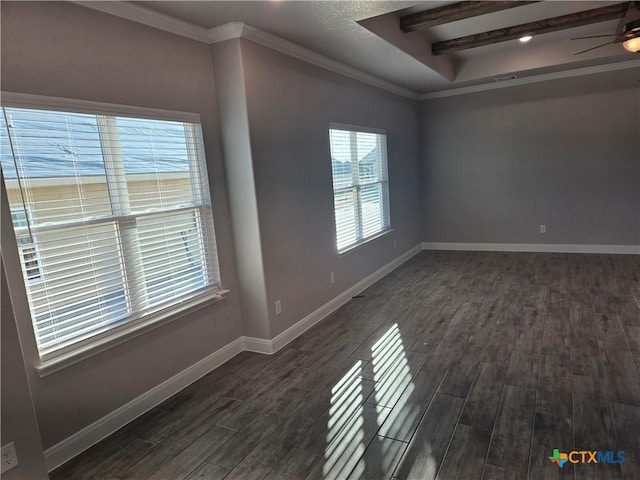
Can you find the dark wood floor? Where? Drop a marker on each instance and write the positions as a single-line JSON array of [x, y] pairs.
[[457, 365]]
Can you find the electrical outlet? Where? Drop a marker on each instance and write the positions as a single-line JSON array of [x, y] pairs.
[[9, 457], [332, 277], [278, 307], [543, 229], [394, 243]]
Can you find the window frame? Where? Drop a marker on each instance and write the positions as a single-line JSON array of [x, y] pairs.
[[78, 351], [356, 187]]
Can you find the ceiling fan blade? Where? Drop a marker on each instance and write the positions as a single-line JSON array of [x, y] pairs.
[[595, 36], [618, 30], [593, 48], [624, 17]]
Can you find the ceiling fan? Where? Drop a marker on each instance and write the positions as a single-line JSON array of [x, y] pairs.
[[629, 31]]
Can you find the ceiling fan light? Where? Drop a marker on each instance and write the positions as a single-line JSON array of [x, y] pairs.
[[525, 39], [633, 44]]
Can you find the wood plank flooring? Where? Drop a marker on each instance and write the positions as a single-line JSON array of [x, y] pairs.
[[457, 365]]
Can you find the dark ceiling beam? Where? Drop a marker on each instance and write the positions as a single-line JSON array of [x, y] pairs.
[[578, 19], [451, 13]]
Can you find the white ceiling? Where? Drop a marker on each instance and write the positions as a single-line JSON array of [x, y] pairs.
[[381, 49]]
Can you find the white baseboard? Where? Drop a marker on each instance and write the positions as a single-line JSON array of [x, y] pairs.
[[92, 434], [258, 345], [271, 346], [534, 247]]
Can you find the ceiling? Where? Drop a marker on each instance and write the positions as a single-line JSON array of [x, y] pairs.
[[366, 35]]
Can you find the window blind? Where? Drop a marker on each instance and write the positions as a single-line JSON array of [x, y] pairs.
[[116, 212], [360, 185]]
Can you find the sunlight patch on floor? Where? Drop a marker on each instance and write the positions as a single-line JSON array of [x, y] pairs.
[[390, 367], [348, 435]]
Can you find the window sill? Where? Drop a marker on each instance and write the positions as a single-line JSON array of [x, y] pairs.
[[53, 365], [367, 240]]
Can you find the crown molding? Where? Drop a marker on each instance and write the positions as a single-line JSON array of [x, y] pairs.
[[146, 16], [533, 79], [225, 32], [294, 50]]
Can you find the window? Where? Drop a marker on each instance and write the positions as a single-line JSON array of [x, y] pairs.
[[360, 185], [112, 215]]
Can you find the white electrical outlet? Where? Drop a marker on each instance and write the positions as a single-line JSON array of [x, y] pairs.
[[278, 307], [332, 277], [543, 229], [9, 457]]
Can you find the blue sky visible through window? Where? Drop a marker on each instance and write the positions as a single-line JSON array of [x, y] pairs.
[[59, 144]]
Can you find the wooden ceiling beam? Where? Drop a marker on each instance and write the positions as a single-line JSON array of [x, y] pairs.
[[451, 13], [578, 19]]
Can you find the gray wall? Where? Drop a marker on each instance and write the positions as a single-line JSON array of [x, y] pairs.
[[291, 104], [564, 153], [18, 419], [64, 50]]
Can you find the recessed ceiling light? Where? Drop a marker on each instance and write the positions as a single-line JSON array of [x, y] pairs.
[[525, 39]]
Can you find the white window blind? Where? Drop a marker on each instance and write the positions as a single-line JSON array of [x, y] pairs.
[[360, 185], [117, 213]]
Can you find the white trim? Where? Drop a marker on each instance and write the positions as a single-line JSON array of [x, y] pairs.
[[92, 434], [271, 346], [227, 31], [258, 345], [151, 18], [28, 100], [533, 79], [534, 247]]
